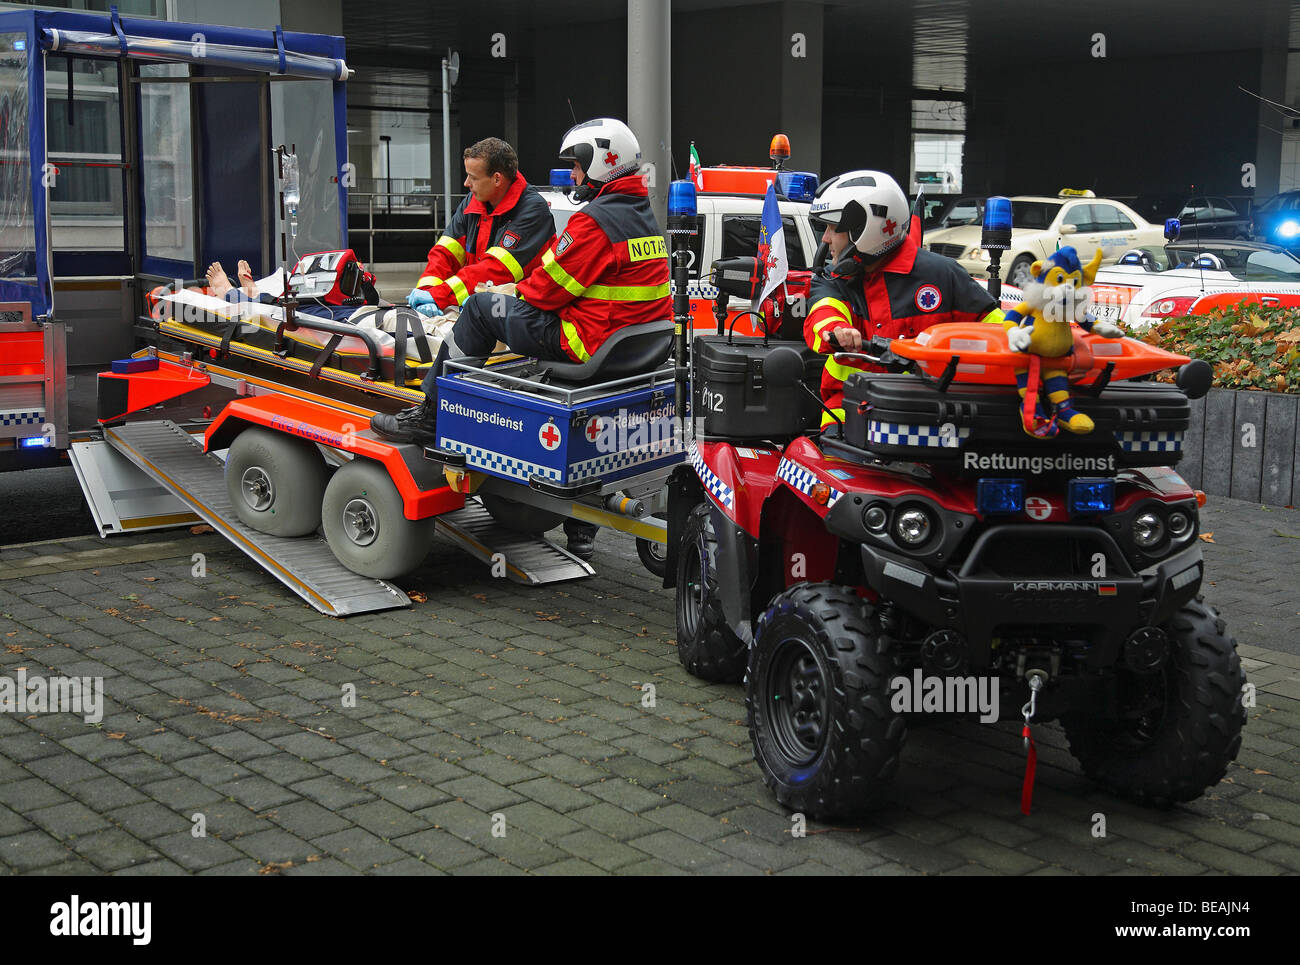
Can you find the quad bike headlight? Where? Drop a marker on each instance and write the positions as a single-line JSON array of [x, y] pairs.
[[876, 519], [913, 526], [1148, 530], [1179, 525]]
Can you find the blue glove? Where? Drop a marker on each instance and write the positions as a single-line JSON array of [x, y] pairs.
[[428, 309], [419, 297]]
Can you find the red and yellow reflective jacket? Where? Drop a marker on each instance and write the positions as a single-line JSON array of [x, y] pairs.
[[909, 292], [607, 270], [499, 246]]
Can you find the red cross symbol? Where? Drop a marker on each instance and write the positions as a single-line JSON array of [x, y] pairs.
[[593, 428], [611, 158], [549, 436], [890, 226]]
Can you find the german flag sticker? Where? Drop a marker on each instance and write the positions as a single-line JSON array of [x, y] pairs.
[[1107, 589]]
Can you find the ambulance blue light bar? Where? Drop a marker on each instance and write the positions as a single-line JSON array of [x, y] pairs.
[[561, 177], [32, 442], [797, 185], [998, 496], [1087, 496], [681, 199]]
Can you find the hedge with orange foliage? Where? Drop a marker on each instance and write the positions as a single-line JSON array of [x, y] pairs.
[[1249, 346]]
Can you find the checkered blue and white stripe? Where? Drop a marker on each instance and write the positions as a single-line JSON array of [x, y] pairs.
[[720, 490], [902, 434], [1150, 441], [803, 480], [498, 464], [696, 289], [614, 461], [22, 417]]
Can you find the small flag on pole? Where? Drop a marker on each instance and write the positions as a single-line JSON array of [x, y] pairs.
[[773, 265], [694, 171]]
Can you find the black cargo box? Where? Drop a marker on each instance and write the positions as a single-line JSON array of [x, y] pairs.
[[734, 399], [978, 426]]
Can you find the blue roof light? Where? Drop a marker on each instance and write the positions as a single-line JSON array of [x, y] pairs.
[[33, 442], [561, 177], [1172, 228], [681, 199], [997, 214], [797, 185]]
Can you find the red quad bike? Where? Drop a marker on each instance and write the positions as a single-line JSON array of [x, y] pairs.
[[929, 533]]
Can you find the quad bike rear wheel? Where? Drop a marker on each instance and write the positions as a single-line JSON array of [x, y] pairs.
[[706, 645], [653, 556], [817, 692], [1181, 725], [520, 517]]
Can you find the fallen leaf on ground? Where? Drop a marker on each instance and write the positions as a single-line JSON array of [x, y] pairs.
[[115, 735], [1207, 537], [274, 867], [201, 529], [418, 597]]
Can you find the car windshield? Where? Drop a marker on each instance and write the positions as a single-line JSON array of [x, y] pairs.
[[1279, 202], [1033, 214], [1272, 266]]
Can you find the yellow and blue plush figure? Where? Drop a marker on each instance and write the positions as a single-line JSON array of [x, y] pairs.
[[1040, 327]]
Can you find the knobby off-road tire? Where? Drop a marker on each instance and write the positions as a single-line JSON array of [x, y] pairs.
[[364, 525], [817, 692], [1185, 745], [276, 482], [520, 517], [706, 645]]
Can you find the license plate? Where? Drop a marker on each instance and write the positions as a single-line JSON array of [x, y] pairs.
[[1110, 313]]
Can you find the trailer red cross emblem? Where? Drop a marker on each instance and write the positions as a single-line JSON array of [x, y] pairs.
[[611, 158], [549, 436], [593, 428]]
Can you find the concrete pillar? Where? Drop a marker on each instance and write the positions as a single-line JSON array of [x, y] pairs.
[[649, 92], [802, 48], [1273, 32]]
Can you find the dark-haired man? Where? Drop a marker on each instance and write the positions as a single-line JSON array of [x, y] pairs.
[[497, 234]]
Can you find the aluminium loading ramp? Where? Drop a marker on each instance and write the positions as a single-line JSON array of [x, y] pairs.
[[530, 560], [165, 452]]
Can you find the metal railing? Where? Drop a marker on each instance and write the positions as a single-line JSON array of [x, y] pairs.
[[388, 203]]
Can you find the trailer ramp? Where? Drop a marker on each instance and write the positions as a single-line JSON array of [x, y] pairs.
[[168, 454], [530, 560]]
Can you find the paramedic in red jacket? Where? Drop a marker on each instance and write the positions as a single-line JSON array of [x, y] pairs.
[[881, 282], [497, 234], [607, 270]]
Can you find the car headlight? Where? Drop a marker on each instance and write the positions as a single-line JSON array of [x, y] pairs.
[[1148, 530], [978, 254], [913, 526]]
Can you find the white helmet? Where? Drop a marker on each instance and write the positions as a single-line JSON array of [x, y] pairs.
[[605, 148], [869, 206]]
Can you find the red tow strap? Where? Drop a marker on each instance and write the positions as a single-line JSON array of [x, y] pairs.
[[1034, 425], [1031, 768]]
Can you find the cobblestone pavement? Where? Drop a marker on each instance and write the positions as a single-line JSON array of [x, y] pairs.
[[491, 706]]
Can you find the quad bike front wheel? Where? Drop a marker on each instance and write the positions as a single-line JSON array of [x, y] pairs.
[[817, 692], [1180, 726], [706, 645]]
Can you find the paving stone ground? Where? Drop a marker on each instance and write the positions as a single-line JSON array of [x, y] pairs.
[[490, 707]]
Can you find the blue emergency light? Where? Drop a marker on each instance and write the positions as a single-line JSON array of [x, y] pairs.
[[561, 177], [797, 185], [32, 442], [681, 199], [20, 44], [1288, 229], [1172, 228], [1086, 496], [997, 214], [996, 496]]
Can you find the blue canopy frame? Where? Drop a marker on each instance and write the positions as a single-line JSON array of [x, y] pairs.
[[253, 51]]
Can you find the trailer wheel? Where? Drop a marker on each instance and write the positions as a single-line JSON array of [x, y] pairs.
[[275, 482], [1181, 726], [364, 525], [706, 645], [654, 556], [817, 690], [520, 517]]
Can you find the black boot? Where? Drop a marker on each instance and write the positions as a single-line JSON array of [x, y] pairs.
[[582, 538], [418, 424]]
